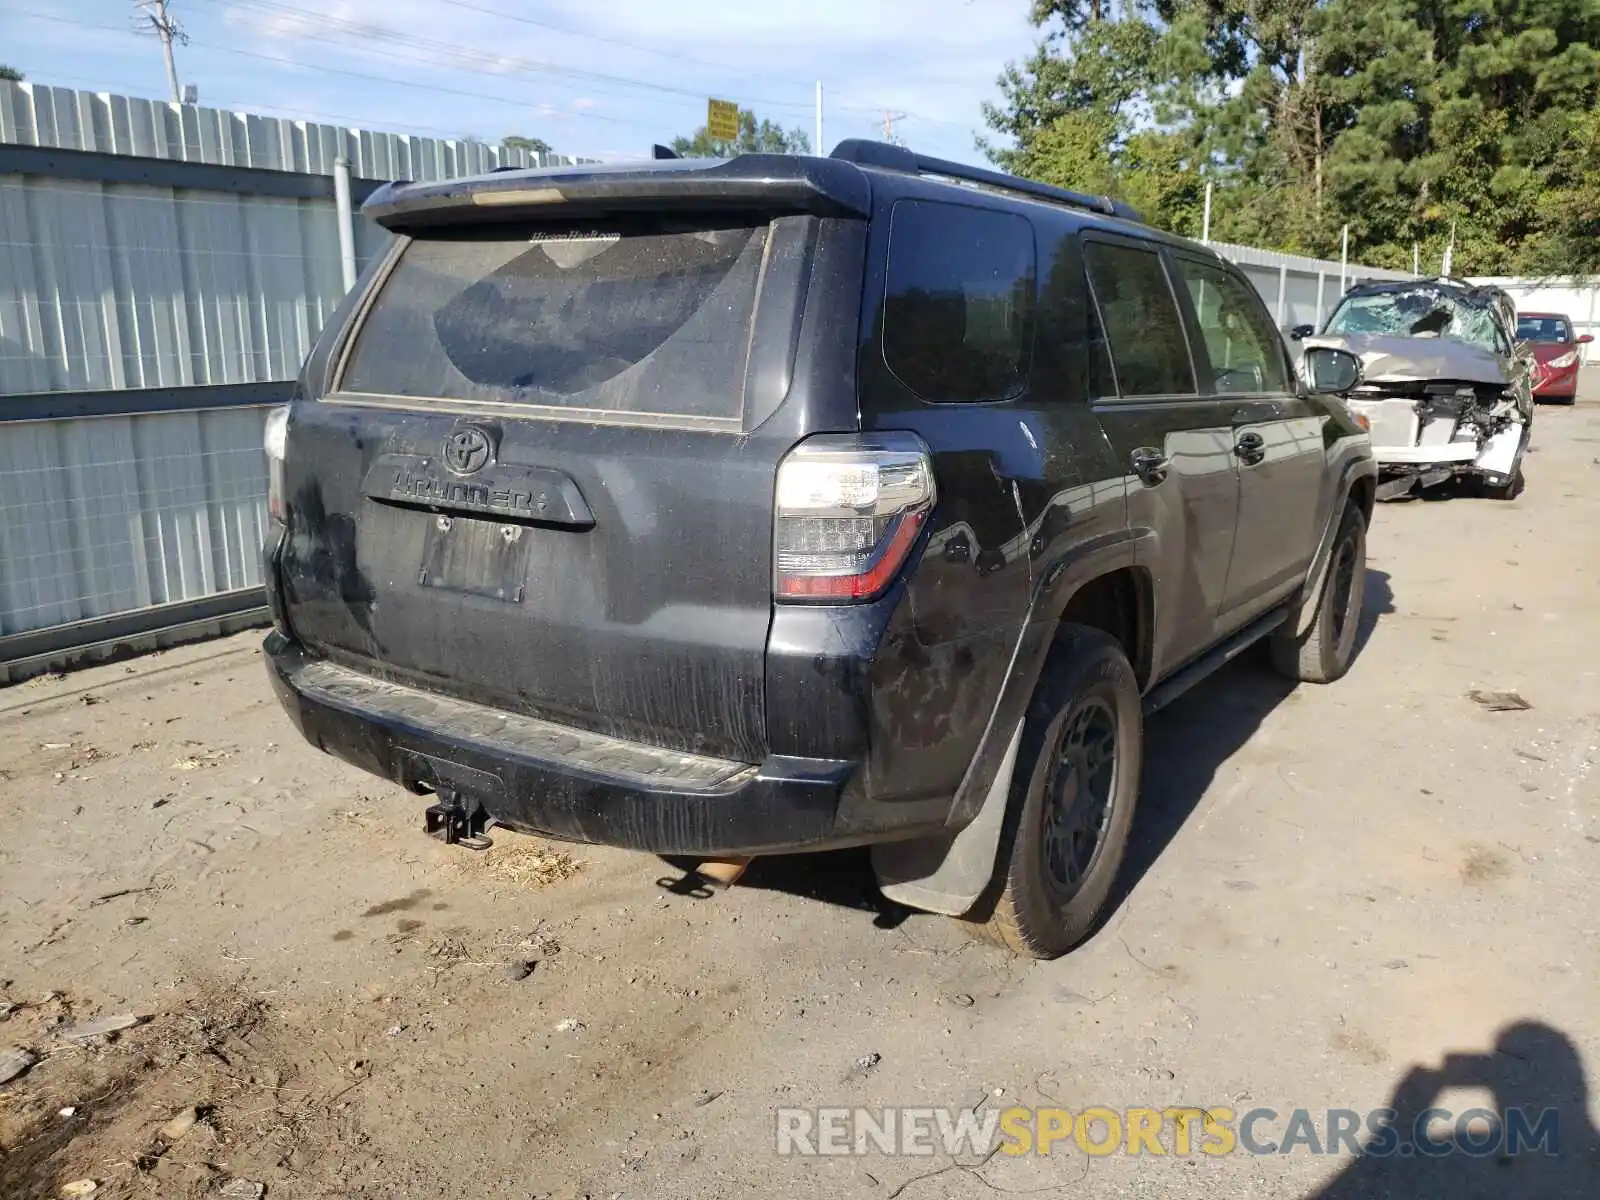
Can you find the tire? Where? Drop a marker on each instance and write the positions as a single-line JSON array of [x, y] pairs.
[[1508, 490], [1038, 905], [1324, 652]]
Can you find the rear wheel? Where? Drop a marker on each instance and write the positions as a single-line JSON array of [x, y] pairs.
[[1324, 652], [1072, 799]]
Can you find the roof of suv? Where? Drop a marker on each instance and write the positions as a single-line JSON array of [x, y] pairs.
[[1484, 294], [839, 185]]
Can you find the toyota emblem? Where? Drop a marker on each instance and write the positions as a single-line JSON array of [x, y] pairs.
[[466, 450]]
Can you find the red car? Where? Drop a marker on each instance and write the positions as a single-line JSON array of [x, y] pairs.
[[1555, 352]]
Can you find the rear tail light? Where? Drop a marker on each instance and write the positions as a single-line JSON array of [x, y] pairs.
[[276, 442], [849, 508]]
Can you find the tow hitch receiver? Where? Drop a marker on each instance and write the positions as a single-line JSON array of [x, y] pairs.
[[457, 822]]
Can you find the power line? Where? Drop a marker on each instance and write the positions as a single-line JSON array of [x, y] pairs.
[[612, 41], [99, 83], [340, 31], [154, 18], [410, 83], [481, 58]]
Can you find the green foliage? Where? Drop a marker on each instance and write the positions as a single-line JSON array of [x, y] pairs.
[[10, 74], [532, 145], [765, 137], [1400, 118]]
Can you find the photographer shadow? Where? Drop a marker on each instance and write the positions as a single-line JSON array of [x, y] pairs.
[[1547, 1146]]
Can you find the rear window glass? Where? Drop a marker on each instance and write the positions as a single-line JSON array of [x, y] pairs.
[[1543, 329], [1148, 345], [959, 301], [630, 320]]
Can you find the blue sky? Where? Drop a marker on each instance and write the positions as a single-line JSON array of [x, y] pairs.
[[604, 80]]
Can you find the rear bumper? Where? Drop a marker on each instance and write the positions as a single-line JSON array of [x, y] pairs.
[[1559, 387], [573, 784]]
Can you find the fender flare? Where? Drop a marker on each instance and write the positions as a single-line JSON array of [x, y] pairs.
[[948, 873], [1305, 611]]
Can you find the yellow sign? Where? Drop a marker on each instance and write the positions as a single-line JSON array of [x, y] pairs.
[[722, 120]]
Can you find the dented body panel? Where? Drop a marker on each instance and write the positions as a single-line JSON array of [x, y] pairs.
[[1387, 359], [1438, 405]]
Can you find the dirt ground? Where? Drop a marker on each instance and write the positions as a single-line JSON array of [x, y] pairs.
[[1332, 889]]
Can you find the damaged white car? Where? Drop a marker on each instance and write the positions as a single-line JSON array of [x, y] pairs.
[[1444, 388]]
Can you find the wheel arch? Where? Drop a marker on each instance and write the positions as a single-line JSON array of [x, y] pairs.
[[1102, 580]]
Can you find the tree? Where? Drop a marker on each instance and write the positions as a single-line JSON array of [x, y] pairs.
[[1398, 118], [767, 137], [532, 145], [9, 74]]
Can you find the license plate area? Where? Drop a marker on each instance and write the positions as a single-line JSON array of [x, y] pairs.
[[476, 557]]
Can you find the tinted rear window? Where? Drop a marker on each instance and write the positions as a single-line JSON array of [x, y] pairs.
[[1148, 346], [959, 301], [628, 320]]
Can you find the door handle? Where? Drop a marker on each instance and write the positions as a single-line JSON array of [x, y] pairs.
[[1251, 448], [1150, 465]]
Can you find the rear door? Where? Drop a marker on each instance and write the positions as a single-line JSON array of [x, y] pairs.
[[1174, 443], [543, 477], [1277, 438]]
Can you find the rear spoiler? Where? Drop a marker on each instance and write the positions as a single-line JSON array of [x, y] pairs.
[[763, 182]]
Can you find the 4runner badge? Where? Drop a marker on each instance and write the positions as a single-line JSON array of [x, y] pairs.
[[466, 450]]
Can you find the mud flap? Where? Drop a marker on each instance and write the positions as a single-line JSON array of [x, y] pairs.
[[947, 874]]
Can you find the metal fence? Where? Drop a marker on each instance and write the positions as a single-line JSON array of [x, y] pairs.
[[164, 269], [1299, 290]]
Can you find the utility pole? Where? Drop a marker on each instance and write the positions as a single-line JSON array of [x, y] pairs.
[[154, 18], [817, 149], [889, 118]]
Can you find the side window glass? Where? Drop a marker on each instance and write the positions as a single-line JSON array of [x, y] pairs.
[[959, 301], [1246, 353], [1141, 318]]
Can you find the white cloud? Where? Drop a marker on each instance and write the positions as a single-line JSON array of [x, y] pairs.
[[582, 88]]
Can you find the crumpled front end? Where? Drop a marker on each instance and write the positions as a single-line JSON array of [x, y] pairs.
[[1437, 408]]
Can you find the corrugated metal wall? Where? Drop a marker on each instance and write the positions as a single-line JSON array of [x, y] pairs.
[[110, 286], [120, 286], [1299, 290], [107, 514], [34, 115], [106, 285]]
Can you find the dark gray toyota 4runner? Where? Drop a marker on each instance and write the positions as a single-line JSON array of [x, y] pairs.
[[786, 503]]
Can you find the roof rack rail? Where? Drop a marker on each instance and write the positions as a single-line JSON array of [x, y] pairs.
[[899, 158]]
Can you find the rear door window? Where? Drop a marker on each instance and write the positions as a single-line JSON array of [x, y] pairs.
[[1245, 351], [959, 301], [1149, 348], [648, 320]]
